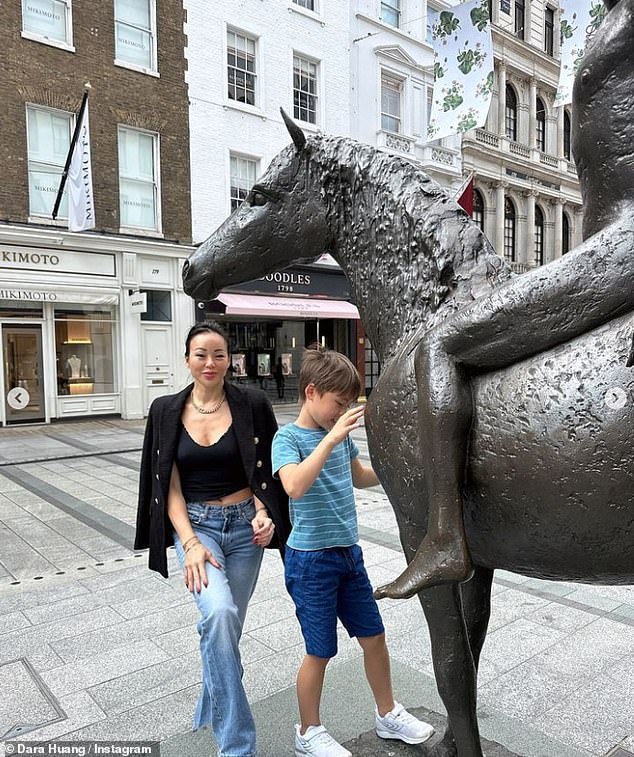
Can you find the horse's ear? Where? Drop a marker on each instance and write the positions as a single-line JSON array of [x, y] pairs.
[[297, 135]]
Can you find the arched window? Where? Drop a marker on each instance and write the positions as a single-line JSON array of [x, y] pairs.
[[540, 124], [510, 116], [539, 236], [567, 153], [509, 230], [478, 209], [565, 234]]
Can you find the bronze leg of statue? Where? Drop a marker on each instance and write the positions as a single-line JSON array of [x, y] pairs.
[[528, 314]]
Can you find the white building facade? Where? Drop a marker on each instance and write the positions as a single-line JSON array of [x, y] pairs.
[[527, 197]]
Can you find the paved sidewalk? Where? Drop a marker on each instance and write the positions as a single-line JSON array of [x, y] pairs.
[[94, 646]]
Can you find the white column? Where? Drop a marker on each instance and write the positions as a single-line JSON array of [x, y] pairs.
[[532, 113], [501, 99], [529, 249], [499, 219], [560, 130]]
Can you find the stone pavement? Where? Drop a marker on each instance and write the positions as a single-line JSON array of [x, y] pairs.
[[93, 646]]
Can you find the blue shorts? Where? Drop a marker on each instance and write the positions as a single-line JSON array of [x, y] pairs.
[[326, 584]]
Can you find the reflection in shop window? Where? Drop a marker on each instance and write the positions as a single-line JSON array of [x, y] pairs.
[[84, 350], [158, 306]]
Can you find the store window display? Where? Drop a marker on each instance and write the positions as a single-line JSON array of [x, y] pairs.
[[84, 350]]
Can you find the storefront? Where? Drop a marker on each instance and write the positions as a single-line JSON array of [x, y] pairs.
[[73, 342], [270, 321]]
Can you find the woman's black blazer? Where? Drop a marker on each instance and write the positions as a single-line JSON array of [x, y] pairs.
[[255, 426]]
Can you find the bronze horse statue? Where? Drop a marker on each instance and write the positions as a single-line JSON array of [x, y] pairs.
[[549, 482]]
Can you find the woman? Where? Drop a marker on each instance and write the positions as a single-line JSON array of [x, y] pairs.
[[206, 486]]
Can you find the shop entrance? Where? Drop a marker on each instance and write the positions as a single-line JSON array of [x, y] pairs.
[[157, 370], [23, 376]]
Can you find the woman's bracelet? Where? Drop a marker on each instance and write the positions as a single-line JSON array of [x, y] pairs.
[[192, 546], [260, 509], [191, 538]]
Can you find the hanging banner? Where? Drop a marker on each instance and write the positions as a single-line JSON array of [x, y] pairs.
[[579, 22], [463, 69]]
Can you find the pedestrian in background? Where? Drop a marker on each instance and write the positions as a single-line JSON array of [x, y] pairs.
[[206, 486], [318, 464]]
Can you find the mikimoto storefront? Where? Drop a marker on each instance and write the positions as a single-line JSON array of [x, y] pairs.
[[270, 321], [72, 344]]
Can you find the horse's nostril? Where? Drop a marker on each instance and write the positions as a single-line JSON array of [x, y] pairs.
[[185, 268]]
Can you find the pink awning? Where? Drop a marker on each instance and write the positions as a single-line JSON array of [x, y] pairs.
[[285, 307]]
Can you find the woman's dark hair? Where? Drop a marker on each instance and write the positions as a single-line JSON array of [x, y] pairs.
[[205, 327]]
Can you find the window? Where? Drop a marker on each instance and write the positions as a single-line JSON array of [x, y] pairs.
[[540, 124], [243, 172], [48, 19], [510, 118], [567, 153], [391, 104], [84, 349], [519, 19], [304, 89], [539, 236], [308, 4], [509, 231], [478, 209], [135, 35], [565, 234], [549, 29], [159, 305], [241, 68], [391, 12], [138, 185], [48, 136]]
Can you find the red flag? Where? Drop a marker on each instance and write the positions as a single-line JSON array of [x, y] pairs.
[[465, 197]]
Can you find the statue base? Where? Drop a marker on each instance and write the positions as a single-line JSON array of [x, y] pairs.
[[368, 745]]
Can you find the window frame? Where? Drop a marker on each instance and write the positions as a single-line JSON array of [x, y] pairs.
[[538, 237], [540, 124], [302, 4], [519, 12], [156, 165], [477, 214], [394, 7], [567, 129], [235, 202], [549, 31], [510, 114], [510, 230], [152, 69], [62, 216], [565, 233], [234, 101], [297, 108], [387, 77], [35, 36]]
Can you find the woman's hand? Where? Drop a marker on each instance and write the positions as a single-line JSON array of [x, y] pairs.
[[195, 571], [262, 528]]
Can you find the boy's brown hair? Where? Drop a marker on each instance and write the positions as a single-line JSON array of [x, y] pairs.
[[329, 371]]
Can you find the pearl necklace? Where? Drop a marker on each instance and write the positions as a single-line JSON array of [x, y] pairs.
[[213, 409]]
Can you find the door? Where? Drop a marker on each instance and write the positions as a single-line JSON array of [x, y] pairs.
[[158, 371], [23, 378]]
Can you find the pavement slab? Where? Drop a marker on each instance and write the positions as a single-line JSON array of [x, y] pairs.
[[113, 649]]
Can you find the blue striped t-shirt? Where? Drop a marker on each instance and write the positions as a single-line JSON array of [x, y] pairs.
[[326, 515]]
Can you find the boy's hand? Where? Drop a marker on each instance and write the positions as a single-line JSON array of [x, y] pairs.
[[346, 423]]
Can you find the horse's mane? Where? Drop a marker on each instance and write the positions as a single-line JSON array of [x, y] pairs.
[[396, 229]]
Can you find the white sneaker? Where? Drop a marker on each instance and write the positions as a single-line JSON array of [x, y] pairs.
[[317, 742], [400, 724]]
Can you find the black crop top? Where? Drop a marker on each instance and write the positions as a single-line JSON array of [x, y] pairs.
[[209, 473]]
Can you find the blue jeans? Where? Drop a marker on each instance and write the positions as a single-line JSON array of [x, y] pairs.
[[227, 533]]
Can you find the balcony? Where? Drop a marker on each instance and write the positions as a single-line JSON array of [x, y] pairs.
[[487, 137], [521, 267], [399, 143], [517, 148]]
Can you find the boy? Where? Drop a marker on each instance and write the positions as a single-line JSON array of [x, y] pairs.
[[317, 463]]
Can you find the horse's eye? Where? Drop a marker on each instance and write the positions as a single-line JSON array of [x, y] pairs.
[[257, 198]]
